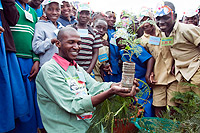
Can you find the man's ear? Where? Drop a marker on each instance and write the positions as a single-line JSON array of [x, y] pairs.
[[175, 16], [58, 43]]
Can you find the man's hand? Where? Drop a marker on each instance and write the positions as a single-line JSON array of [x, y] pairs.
[[34, 70], [1, 30], [125, 92]]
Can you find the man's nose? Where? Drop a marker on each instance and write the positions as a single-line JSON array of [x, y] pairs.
[[76, 46]]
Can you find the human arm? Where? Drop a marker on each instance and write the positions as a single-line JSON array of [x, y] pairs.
[[95, 54], [34, 70], [114, 90], [1, 30], [41, 43], [148, 76], [10, 12]]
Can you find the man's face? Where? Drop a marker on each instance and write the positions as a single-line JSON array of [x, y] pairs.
[[84, 17], [66, 9], [101, 26], [111, 19], [70, 45], [36, 2], [166, 22], [52, 11], [192, 20]]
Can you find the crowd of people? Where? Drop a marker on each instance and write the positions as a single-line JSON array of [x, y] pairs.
[[60, 59]]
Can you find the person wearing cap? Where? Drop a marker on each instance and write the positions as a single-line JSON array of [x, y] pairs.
[[91, 40], [22, 34], [143, 61], [66, 16], [184, 42], [114, 51], [37, 5], [163, 83], [67, 94], [46, 31], [191, 17], [102, 65]]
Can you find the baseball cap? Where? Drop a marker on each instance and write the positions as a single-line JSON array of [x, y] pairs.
[[84, 7], [46, 2], [190, 13]]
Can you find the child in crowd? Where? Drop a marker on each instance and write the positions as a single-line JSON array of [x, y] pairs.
[[184, 43], [91, 41], [114, 54], [102, 62], [37, 5], [29, 65], [162, 81], [13, 101], [66, 16], [46, 32], [143, 62], [191, 17]]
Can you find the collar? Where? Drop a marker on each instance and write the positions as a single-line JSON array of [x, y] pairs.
[[65, 18], [63, 62], [26, 6], [174, 29]]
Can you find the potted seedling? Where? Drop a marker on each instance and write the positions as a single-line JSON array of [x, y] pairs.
[[115, 113]]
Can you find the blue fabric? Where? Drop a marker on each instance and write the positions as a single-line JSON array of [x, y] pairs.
[[6, 101], [31, 121], [64, 21], [12, 92], [145, 95], [114, 59], [26, 6], [39, 11]]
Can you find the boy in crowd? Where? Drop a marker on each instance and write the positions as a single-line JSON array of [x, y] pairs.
[[46, 32], [67, 94], [91, 41], [29, 65], [102, 64], [66, 17], [114, 52], [184, 41], [162, 81], [143, 61], [191, 17], [37, 5]]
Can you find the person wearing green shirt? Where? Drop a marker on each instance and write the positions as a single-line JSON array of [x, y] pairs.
[[66, 93]]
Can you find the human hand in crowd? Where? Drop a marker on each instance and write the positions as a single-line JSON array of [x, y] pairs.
[[1, 30], [173, 70], [124, 92], [107, 68], [43, 17], [116, 89], [54, 40], [105, 43], [150, 79], [34, 70]]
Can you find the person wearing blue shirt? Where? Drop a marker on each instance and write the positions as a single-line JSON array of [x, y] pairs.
[[114, 52], [66, 17], [142, 60], [37, 5]]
